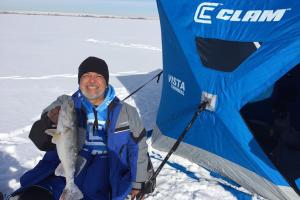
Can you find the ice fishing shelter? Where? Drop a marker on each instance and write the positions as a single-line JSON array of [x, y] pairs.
[[242, 57]]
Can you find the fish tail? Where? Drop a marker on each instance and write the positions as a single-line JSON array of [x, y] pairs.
[[71, 192]]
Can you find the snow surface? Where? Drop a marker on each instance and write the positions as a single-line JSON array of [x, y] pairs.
[[39, 57]]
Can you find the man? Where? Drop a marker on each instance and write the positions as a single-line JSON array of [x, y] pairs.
[[113, 151]]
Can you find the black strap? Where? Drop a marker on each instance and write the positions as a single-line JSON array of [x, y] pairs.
[[158, 78], [149, 182], [95, 125]]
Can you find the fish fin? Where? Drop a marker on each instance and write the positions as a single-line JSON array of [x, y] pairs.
[[71, 192], [54, 139], [51, 132], [80, 163], [59, 171], [54, 134]]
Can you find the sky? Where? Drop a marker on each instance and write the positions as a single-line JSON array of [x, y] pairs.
[[142, 8]]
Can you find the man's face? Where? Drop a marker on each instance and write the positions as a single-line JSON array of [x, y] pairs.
[[93, 86]]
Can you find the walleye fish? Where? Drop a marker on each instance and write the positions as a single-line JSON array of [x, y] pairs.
[[65, 138]]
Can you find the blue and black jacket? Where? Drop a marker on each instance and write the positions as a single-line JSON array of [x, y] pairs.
[[128, 159]]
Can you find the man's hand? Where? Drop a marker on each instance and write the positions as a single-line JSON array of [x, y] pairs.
[[134, 192], [53, 114]]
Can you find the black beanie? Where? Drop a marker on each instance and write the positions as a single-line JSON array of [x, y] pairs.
[[93, 64]]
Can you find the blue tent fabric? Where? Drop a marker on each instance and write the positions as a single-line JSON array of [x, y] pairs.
[[220, 135]]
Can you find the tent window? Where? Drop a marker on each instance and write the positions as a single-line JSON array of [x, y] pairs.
[[223, 55], [275, 124]]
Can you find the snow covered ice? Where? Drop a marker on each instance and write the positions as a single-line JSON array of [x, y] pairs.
[[39, 58]]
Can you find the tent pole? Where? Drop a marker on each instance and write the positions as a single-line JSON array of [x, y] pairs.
[[158, 77], [149, 182]]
